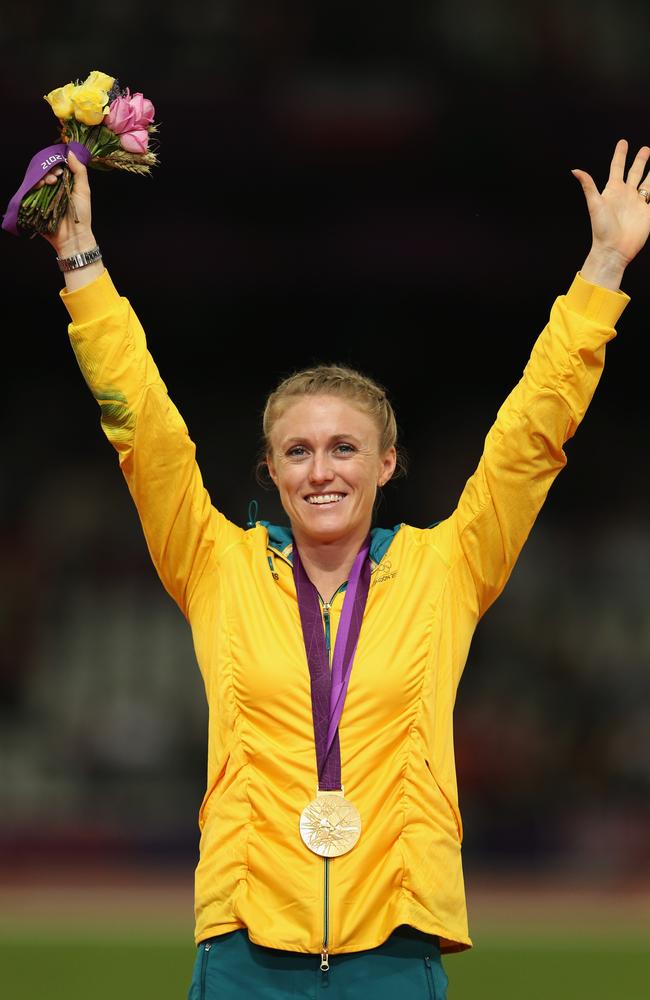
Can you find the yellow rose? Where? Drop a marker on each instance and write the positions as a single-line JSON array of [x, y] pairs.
[[99, 79], [60, 100], [90, 103]]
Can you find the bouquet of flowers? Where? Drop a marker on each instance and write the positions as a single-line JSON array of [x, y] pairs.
[[107, 127]]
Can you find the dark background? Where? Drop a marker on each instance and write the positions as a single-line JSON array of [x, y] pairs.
[[378, 184]]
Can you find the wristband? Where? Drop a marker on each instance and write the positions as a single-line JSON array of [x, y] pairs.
[[80, 259]]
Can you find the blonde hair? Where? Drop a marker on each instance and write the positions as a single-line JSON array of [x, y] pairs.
[[335, 380]]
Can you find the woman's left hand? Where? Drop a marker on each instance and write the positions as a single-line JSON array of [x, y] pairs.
[[620, 216]]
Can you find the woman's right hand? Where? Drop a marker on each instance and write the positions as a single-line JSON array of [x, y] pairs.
[[74, 232]]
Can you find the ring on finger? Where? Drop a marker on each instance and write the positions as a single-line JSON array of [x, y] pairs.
[[645, 194]]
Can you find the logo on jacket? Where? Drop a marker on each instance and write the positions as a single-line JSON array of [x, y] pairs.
[[384, 571]]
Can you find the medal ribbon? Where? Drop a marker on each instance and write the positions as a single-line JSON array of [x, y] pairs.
[[328, 690], [40, 164]]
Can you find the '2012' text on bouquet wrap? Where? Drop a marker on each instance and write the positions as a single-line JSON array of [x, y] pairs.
[[106, 126]]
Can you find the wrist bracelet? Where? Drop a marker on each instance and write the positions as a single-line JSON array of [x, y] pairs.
[[80, 259]]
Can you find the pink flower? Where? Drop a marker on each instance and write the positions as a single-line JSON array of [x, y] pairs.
[[120, 115], [129, 117], [135, 141], [143, 111]]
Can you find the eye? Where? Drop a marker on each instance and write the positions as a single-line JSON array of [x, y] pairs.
[[345, 449], [297, 451]]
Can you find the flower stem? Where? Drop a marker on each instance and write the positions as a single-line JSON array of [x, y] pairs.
[[68, 184]]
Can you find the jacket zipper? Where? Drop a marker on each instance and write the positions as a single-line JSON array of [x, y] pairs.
[[327, 606], [325, 950], [324, 955]]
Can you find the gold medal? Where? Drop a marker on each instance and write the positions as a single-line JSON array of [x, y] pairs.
[[330, 825]]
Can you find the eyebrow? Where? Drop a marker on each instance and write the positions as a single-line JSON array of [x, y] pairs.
[[331, 440]]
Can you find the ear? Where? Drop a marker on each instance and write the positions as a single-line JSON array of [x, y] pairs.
[[387, 466], [272, 470]]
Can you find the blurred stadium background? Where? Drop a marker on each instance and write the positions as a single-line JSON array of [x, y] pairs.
[[386, 185]]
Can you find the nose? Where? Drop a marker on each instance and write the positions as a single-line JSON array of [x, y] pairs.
[[321, 468]]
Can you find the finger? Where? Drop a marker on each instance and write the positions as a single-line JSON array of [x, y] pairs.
[[617, 166], [80, 173], [53, 176], [635, 172], [75, 164], [644, 186], [590, 191], [50, 178]]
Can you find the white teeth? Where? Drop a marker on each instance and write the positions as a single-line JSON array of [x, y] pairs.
[[325, 498]]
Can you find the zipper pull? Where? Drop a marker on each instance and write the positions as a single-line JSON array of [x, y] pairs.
[[324, 960], [207, 946]]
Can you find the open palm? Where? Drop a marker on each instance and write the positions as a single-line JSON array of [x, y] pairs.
[[620, 214]]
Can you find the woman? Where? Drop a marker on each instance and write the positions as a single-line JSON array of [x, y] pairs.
[[330, 852]]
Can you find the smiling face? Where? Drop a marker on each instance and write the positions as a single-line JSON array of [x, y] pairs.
[[326, 464]]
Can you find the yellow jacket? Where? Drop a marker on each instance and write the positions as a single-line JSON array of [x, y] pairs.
[[429, 588]]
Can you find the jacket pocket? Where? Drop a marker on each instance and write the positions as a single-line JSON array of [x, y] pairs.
[[429, 974], [198, 985], [207, 948], [453, 808], [436, 978]]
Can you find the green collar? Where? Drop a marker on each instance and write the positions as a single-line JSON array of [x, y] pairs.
[[281, 540]]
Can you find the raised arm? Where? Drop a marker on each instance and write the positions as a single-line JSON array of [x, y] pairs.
[[523, 451], [184, 533]]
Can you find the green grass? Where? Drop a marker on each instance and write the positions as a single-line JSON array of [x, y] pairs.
[[128, 967], [564, 971], [41, 969]]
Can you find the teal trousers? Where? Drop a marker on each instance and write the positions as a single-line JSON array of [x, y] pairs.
[[407, 966]]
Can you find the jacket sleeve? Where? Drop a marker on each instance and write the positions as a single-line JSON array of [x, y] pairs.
[[185, 534], [523, 450]]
